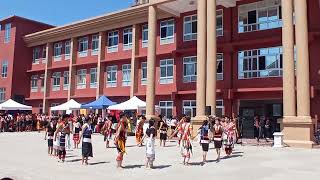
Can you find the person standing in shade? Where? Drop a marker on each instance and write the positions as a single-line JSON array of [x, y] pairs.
[[139, 131], [86, 141], [150, 150], [120, 139], [163, 128], [217, 137]]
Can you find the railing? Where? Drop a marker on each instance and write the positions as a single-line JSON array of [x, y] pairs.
[[139, 2]]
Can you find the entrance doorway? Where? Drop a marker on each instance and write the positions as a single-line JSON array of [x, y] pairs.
[[248, 109]]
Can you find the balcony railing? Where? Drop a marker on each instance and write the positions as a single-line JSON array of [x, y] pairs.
[[139, 2]]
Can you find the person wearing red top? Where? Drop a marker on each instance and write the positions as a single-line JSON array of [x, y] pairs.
[[120, 139], [139, 131], [107, 131]]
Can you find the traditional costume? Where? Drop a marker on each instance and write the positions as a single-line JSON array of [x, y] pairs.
[[86, 142], [107, 131], [186, 140], [62, 145], [217, 136], [50, 131], [230, 132], [139, 132], [204, 138], [163, 131], [120, 142], [76, 133]]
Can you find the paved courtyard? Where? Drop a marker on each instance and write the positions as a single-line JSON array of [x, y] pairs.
[[24, 156]]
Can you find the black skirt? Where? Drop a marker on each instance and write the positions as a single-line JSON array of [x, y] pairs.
[[50, 142], [87, 149], [217, 144], [205, 147], [163, 136]]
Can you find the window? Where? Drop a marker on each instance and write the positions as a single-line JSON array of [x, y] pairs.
[[113, 41], [95, 45], [145, 35], [260, 63], [260, 16], [44, 54], [220, 22], [67, 50], [83, 47], [2, 94], [42, 82], [93, 78], [126, 75], [167, 32], [190, 69], [36, 55], [34, 83], [127, 39], [219, 66], [65, 80], [7, 34], [166, 71], [189, 108], [81, 81], [219, 108], [4, 72], [190, 28], [56, 81], [143, 73], [57, 51], [166, 108], [112, 76]]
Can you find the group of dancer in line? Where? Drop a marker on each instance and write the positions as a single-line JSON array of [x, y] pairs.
[[222, 131]]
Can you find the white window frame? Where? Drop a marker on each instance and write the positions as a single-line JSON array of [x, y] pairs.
[[113, 35], [192, 107], [112, 70], [67, 47], [7, 33], [57, 47], [36, 55], [44, 54], [2, 94], [81, 78], [189, 36], [169, 39], [127, 32], [126, 69], [66, 80], [220, 106], [252, 56], [190, 60], [93, 80], [167, 79], [42, 81], [95, 45], [83, 42], [4, 69], [56, 81], [220, 59], [144, 67], [166, 107], [144, 36], [219, 29], [260, 6], [34, 83]]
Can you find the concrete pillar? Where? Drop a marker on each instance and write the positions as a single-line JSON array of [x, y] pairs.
[[289, 97], [303, 82], [152, 36], [201, 59], [134, 63], [211, 56], [100, 67], [47, 78], [72, 69]]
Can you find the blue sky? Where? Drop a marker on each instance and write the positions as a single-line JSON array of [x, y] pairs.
[[59, 12]]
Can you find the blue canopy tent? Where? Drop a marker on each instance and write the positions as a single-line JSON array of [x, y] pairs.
[[102, 103]]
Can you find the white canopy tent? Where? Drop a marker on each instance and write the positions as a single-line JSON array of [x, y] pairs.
[[132, 104], [67, 106], [13, 105]]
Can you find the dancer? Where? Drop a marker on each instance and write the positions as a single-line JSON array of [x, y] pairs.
[[86, 141], [150, 150], [204, 140], [217, 137], [163, 128], [229, 130], [76, 132], [139, 131], [50, 133], [107, 131], [120, 139], [61, 132], [56, 139], [178, 131]]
